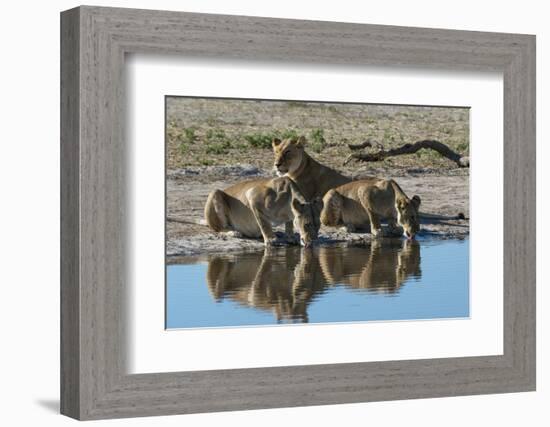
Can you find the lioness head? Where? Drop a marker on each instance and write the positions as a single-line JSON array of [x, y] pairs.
[[407, 215], [408, 261], [288, 154], [306, 219]]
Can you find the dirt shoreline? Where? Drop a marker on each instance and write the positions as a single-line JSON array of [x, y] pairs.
[[444, 194]]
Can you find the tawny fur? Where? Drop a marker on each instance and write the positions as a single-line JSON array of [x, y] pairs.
[[312, 178], [364, 203], [252, 207]]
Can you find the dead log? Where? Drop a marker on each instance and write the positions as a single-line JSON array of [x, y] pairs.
[[461, 161], [365, 144]]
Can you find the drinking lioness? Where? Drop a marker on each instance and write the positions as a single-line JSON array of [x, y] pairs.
[[252, 207], [362, 204]]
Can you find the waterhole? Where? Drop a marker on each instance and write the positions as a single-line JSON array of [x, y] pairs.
[[390, 279]]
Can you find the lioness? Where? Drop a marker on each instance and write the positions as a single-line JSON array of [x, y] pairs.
[[381, 267], [249, 280], [360, 203], [313, 178], [252, 207]]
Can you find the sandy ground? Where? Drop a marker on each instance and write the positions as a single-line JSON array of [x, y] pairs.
[[210, 132], [213, 143], [187, 189]]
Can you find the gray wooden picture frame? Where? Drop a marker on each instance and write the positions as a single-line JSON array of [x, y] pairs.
[[94, 382]]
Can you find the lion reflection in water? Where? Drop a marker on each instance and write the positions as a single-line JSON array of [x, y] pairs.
[[285, 281]]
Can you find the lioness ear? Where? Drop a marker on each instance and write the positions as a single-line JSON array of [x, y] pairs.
[[301, 141], [415, 201], [297, 205], [275, 142]]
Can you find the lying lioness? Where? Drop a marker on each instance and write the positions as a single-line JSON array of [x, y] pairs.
[[358, 204], [250, 208], [313, 178]]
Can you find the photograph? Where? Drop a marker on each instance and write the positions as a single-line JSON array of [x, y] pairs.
[[307, 212], [292, 185]]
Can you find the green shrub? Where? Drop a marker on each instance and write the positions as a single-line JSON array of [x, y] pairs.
[[317, 140], [183, 148], [205, 162], [259, 140], [180, 136], [217, 142], [288, 133], [264, 139], [218, 148], [189, 135], [215, 135], [462, 147]]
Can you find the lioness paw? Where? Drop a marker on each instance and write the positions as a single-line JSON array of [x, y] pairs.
[[378, 232], [234, 234]]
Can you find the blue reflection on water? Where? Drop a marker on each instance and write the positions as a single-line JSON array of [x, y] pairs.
[[390, 280]]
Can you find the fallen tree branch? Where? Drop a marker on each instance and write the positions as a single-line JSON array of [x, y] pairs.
[[461, 161], [365, 144]]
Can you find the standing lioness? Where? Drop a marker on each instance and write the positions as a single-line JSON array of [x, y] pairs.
[[252, 207], [359, 203], [313, 178]]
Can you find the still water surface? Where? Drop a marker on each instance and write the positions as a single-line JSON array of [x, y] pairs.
[[388, 280]]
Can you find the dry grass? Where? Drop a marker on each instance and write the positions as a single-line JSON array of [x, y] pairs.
[[221, 132]]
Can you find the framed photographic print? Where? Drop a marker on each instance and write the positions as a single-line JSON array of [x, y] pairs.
[[262, 213]]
